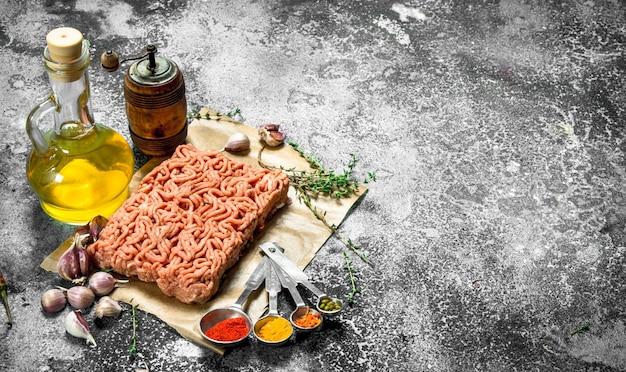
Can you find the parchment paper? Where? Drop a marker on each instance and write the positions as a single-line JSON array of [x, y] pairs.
[[294, 228]]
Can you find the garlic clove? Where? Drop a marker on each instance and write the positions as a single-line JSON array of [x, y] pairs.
[[103, 283], [271, 127], [96, 225], [271, 134], [90, 232], [109, 307], [53, 300], [75, 263], [80, 297], [76, 325], [237, 142], [277, 136]]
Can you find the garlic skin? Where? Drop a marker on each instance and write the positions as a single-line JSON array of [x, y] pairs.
[[96, 225], [91, 231], [76, 325], [103, 283], [237, 142], [271, 135], [53, 300], [109, 307], [75, 263], [80, 297]]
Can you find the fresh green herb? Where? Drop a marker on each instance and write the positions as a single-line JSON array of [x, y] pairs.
[[134, 321], [5, 300], [320, 180], [236, 111], [352, 276], [581, 329], [215, 116]]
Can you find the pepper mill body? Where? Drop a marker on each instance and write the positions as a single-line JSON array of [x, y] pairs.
[[79, 169], [156, 106]]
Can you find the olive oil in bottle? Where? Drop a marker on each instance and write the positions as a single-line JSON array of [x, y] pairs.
[[79, 169]]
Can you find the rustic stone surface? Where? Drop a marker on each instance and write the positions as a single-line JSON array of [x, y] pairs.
[[496, 131]]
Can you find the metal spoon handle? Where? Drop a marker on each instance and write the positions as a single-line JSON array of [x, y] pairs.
[[288, 283], [273, 251], [253, 282], [272, 285]]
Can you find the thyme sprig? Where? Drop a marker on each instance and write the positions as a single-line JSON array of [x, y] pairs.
[[351, 276], [322, 181], [215, 116], [581, 329], [134, 321]]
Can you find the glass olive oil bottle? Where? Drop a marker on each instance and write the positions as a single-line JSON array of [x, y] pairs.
[[79, 169]]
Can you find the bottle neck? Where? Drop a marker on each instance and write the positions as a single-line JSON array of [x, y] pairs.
[[71, 94]]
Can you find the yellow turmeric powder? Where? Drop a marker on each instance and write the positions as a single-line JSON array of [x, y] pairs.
[[275, 329]]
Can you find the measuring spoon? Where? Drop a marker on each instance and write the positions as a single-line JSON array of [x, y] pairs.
[[272, 329], [301, 308], [325, 304], [210, 319]]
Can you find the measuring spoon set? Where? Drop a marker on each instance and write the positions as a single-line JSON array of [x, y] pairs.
[[277, 271]]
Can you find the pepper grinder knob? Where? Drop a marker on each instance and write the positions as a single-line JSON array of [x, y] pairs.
[[110, 61]]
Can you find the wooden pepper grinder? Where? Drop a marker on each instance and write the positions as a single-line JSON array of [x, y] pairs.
[[156, 105]]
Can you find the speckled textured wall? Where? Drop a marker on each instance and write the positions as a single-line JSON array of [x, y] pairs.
[[496, 130]]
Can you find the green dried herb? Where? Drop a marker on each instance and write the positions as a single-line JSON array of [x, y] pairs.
[[134, 321], [216, 116], [352, 277], [320, 180], [581, 329]]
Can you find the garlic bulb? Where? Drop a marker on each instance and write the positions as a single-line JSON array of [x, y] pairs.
[[80, 297], [109, 307], [76, 325], [53, 300], [238, 142], [75, 263], [103, 283], [271, 134]]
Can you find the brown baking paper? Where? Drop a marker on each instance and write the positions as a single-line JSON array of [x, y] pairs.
[[294, 228]]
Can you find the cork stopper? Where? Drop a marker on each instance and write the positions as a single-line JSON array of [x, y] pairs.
[[65, 44]]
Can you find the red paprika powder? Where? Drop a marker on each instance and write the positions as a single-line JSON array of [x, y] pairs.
[[229, 330]]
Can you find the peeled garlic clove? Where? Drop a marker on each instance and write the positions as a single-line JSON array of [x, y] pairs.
[[103, 283], [238, 142], [80, 297], [76, 325], [75, 263], [108, 307], [53, 300]]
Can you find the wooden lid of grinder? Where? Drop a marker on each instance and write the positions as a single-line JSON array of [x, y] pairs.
[[65, 44]]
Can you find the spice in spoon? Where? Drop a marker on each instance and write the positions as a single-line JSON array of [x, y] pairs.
[[231, 329], [275, 329], [308, 320], [5, 300]]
